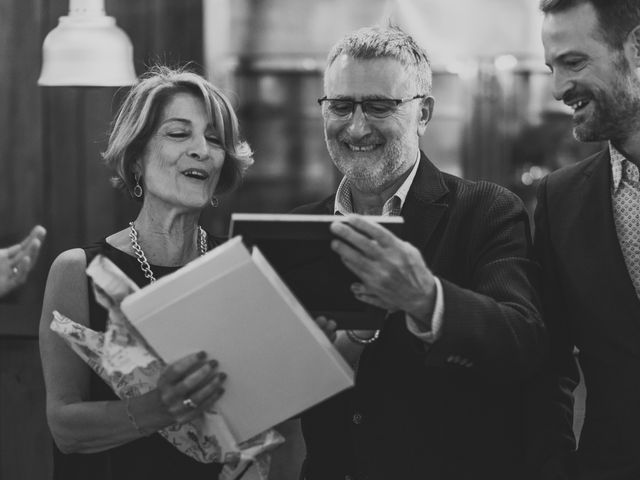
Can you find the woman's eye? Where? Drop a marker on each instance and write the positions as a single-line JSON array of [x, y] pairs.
[[214, 140], [178, 134]]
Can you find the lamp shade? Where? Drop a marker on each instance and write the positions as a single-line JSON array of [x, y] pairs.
[[87, 49]]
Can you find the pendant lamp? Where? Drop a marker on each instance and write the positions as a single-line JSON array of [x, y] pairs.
[[87, 49]]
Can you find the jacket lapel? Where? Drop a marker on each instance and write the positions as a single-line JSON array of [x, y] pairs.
[[597, 256], [326, 206], [425, 204]]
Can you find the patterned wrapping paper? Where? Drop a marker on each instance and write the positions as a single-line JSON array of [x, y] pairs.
[[124, 360]]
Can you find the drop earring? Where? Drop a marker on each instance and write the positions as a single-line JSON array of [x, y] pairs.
[[214, 201], [137, 190]]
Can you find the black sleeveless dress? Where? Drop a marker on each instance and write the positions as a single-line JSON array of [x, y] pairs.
[[148, 458]]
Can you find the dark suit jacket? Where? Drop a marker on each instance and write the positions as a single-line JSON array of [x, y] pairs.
[[415, 412], [590, 302]]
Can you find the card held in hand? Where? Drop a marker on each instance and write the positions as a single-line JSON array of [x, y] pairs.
[[298, 248]]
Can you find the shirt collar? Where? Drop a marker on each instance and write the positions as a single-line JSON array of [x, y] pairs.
[[617, 164], [343, 204]]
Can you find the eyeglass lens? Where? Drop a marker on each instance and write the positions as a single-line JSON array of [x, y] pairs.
[[373, 108]]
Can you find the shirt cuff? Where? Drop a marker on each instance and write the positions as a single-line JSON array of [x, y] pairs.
[[436, 318]]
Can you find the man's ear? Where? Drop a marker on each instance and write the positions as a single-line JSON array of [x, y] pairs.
[[426, 112], [632, 47]]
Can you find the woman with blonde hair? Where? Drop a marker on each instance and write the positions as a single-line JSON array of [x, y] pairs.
[[174, 146]]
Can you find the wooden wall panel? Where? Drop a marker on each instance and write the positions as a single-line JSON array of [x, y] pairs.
[[166, 31], [50, 167], [63, 152], [51, 173], [82, 205], [21, 166], [25, 442]]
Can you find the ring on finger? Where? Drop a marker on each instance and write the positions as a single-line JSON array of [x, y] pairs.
[[15, 270], [187, 402]]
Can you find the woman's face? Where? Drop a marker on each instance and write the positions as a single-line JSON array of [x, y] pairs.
[[182, 161]]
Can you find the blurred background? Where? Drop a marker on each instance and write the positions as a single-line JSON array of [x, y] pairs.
[[495, 119]]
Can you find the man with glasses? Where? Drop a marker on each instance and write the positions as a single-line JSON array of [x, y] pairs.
[[438, 387]]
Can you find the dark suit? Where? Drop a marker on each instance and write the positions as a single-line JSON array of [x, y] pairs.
[[415, 412], [590, 302]]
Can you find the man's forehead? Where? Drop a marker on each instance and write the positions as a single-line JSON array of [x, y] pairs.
[[569, 29], [348, 76]]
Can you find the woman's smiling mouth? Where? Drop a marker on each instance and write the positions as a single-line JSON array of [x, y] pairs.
[[196, 173]]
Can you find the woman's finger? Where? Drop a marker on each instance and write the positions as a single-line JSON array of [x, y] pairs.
[[176, 371], [21, 269], [202, 400], [26, 246], [173, 395], [210, 391]]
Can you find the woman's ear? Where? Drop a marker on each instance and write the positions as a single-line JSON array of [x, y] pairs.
[[136, 169]]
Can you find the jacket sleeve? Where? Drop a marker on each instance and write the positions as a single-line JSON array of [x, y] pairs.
[[549, 396], [494, 321]]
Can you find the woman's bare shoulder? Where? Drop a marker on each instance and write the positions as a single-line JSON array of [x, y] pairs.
[[66, 289], [70, 259]]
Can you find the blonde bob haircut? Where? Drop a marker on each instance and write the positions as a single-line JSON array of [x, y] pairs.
[[139, 115]]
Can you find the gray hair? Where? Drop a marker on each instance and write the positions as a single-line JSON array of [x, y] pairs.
[[387, 41]]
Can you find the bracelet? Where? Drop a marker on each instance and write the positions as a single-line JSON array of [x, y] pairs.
[[132, 419], [362, 341]]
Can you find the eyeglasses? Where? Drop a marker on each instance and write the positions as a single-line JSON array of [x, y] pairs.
[[343, 108]]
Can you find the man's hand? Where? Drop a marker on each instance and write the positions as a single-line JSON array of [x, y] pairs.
[[328, 327], [393, 273], [17, 261]]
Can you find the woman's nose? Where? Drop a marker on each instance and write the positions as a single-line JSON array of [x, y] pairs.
[[199, 148]]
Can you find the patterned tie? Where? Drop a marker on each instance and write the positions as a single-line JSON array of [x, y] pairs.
[[627, 220]]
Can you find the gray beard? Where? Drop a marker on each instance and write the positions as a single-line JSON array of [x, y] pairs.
[[364, 177]]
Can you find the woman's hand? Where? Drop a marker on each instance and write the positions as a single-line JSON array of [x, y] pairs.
[[190, 386], [328, 327]]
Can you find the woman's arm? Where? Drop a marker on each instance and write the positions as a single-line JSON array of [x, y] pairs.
[[82, 426]]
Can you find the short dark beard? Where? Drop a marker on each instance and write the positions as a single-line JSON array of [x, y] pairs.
[[616, 113]]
